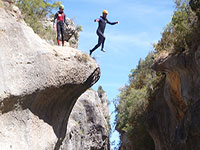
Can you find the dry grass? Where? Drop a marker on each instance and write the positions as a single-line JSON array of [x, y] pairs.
[[162, 55], [91, 66], [82, 57], [1, 4]]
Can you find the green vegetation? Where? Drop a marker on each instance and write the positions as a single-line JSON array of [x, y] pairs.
[[181, 35], [82, 57], [100, 91], [1, 4], [195, 6], [34, 11], [134, 101]]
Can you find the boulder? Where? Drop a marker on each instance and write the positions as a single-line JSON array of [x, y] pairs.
[[88, 126], [39, 85], [173, 119]]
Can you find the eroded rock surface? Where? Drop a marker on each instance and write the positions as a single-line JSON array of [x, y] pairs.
[[88, 127], [174, 117], [39, 85]]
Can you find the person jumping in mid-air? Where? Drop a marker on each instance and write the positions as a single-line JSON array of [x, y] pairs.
[[100, 31], [60, 17]]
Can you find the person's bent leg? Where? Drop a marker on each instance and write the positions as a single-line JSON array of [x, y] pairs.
[[96, 46], [103, 41]]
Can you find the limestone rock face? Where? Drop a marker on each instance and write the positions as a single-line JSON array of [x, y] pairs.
[[88, 127], [174, 120], [39, 85], [71, 34]]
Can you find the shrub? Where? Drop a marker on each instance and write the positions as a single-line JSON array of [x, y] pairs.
[[82, 57], [179, 34], [34, 11], [133, 103], [100, 91], [195, 6], [1, 5]]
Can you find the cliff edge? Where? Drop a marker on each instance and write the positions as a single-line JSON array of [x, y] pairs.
[[39, 85], [174, 120], [88, 126]]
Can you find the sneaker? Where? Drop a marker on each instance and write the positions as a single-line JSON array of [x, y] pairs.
[[90, 52], [103, 50], [58, 41]]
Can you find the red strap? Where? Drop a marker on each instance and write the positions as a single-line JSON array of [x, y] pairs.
[[61, 17]]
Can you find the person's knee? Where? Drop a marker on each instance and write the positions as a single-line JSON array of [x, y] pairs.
[[102, 38], [99, 44]]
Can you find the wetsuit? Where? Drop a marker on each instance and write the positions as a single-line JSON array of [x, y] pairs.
[[60, 16], [100, 32]]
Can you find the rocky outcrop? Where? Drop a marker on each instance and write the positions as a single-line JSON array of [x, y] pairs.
[[174, 120], [39, 85], [88, 127], [71, 32]]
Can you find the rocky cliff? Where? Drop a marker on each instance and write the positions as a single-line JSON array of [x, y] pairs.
[[88, 127], [39, 85], [174, 120], [172, 117]]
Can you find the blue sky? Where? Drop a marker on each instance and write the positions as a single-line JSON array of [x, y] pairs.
[[140, 25]]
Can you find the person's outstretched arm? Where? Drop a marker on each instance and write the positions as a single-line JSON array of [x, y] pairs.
[[97, 20], [112, 23]]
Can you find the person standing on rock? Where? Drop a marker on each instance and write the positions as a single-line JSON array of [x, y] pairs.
[[60, 17], [100, 30]]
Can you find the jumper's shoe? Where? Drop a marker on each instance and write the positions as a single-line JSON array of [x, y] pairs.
[[63, 43], [103, 50], [90, 52], [58, 41]]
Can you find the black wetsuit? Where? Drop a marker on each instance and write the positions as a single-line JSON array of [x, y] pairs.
[[100, 32], [60, 16]]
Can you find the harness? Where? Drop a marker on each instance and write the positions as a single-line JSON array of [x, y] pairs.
[[61, 17]]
